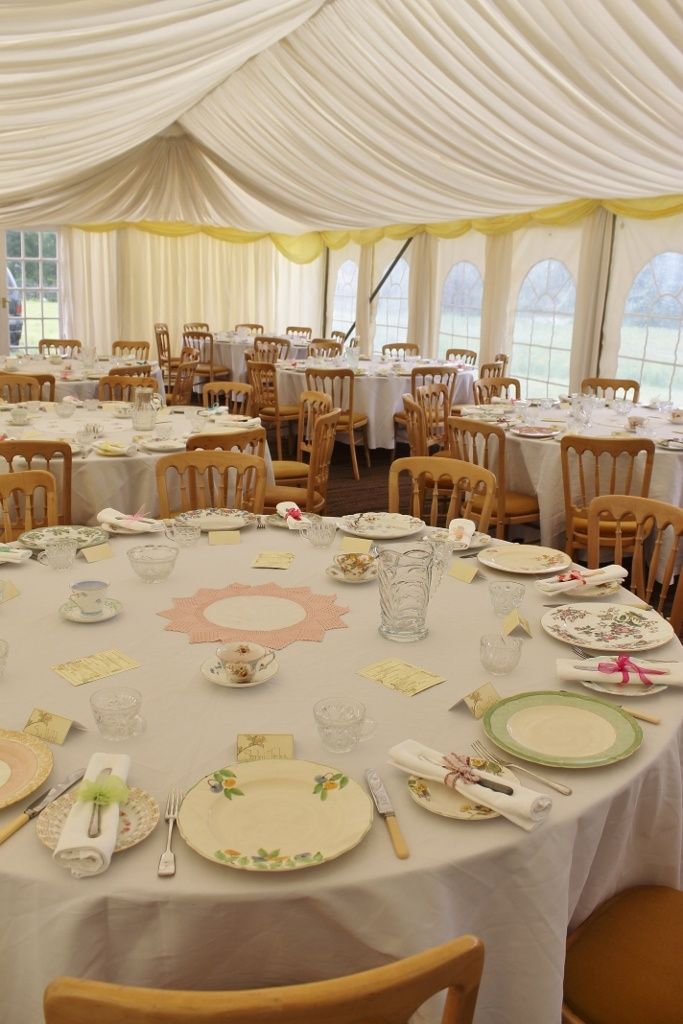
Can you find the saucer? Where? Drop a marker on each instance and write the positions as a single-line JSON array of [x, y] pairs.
[[213, 671], [337, 574], [73, 613]]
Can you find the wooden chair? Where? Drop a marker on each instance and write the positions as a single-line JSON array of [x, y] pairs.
[[201, 341], [338, 336], [46, 382], [269, 350], [462, 355], [313, 496], [53, 456], [321, 347], [656, 563], [339, 385], [294, 473], [266, 402], [252, 329], [400, 349], [442, 477], [503, 358], [623, 964], [495, 369], [28, 500], [59, 347], [19, 387], [249, 442], [118, 387], [300, 333], [130, 350], [391, 993], [231, 395], [593, 466], [416, 427], [427, 374], [611, 387], [196, 325], [167, 362], [141, 370], [183, 383], [484, 444], [434, 400], [210, 479], [507, 388]]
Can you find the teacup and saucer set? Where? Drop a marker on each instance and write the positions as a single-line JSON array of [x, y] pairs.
[[88, 602], [240, 664], [353, 567]]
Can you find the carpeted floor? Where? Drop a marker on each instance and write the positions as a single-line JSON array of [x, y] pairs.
[[369, 494]]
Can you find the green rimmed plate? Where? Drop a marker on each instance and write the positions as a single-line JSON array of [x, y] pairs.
[[85, 536], [562, 730], [274, 815]]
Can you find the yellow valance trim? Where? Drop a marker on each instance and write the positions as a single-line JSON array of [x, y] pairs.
[[307, 247]]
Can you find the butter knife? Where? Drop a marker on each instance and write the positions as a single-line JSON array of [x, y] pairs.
[[385, 810], [40, 803]]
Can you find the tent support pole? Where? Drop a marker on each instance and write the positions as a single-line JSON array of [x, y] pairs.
[[385, 275]]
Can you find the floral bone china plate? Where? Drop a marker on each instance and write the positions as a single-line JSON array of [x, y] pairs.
[[607, 627], [85, 536], [447, 802], [529, 559], [217, 518]]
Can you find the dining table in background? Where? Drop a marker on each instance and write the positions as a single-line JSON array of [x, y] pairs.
[[75, 380], [215, 927], [229, 348]]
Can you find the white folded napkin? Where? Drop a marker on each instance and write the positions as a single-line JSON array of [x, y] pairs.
[[461, 532], [8, 553], [285, 508], [577, 579], [114, 448], [524, 807], [111, 517], [75, 850], [621, 669]]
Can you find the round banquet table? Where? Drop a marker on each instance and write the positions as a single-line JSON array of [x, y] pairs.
[[212, 926], [229, 349], [125, 482], [74, 380], [378, 393]]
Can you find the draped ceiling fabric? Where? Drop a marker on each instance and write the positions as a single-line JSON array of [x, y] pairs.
[[288, 117]]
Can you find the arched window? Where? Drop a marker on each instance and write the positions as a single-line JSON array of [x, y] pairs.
[[542, 334], [461, 308], [651, 343], [344, 303], [391, 321]]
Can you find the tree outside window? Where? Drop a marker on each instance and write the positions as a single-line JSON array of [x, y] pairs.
[[542, 333]]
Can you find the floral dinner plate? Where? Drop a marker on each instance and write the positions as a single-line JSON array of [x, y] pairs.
[[25, 762], [85, 536], [529, 559], [137, 819], [607, 627], [380, 525], [447, 802], [217, 518]]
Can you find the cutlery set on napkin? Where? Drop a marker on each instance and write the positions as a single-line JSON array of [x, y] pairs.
[[622, 670], [134, 524], [10, 553], [574, 580], [88, 837]]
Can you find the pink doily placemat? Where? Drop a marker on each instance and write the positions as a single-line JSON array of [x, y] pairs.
[[268, 614]]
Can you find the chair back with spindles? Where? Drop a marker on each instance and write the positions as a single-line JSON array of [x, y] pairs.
[[118, 387], [611, 387], [250, 442], [270, 350], [141, 370], [321, 347], [183, 383], [434, 400], [338, 336], [312, 404], [69, 347], [210, 479], [495, 369], [299, 333], [234, 396], [251, 329], [28, 500], [130, 350], [416, 426], [441, 489], [19, 387], [46, 383], [196, 325], [487, 388], [55, 457], [462, 355], [401, 350]]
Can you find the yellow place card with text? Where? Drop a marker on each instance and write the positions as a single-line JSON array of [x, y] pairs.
[[48, 726], [481, 699], [463, 571], [95, 666], [97, 553], [259, 746], [7, 591], [356, 544], [401, 676], [273, 560], [514, 621], [224, 536]]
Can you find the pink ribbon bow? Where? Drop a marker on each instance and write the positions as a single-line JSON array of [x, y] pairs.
[[137, 516], [574, 574], [293, 513], [459, 768], [622, 663]]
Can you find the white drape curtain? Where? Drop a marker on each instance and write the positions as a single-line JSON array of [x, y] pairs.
[[591, 292]]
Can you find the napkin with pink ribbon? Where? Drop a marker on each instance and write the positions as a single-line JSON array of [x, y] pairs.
[[136, 523], [523, 807], [292, 515], [575, 579], [622, 669]]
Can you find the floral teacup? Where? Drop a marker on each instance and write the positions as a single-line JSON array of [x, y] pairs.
[[243, 661]]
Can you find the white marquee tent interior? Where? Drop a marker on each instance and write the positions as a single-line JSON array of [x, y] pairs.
[[267, 159]]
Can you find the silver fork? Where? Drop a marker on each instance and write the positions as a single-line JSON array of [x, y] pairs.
[[481, 751], [261, 523], [167, 861], [585, 655]]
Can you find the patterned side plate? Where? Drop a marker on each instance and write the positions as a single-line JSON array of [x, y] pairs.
[[85, 536], [385, 525], [137, 819], [25, 762], [217, 518], [528, 559], [274, 815], [447, 802], [607, 627]]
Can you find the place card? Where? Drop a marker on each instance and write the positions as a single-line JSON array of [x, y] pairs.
[[97, 552], [94, 666], [356, 544], [48, 726], [224, 537], [512, 621], [465, 571], [8, 590], [401, 676], [259, 746], [273, 560], [481, 699]]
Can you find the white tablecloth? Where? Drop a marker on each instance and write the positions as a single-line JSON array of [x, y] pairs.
[[229, 349], [376, 394], [214, 927], [73, 379]]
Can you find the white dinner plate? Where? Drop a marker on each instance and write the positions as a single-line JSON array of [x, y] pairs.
[[163, 444], [380, 525], [529, 559]]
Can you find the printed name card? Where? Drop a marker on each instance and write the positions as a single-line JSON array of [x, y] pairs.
[[259, 746], [224, 536], [97, 552], [514, 621], [95, 666], [50, 727], [356, 544], [463, 571], [401, 676], [481, 699], [273, 560], [7, 591]]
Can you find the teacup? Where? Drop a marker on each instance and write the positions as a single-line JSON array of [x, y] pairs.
[[243, 661], [88, 595], [19, 415], [636, 421], [676, 415], [355, 565]]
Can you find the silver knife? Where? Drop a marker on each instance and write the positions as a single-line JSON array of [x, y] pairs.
[[497, 787], [40, 803], [386, 811]]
